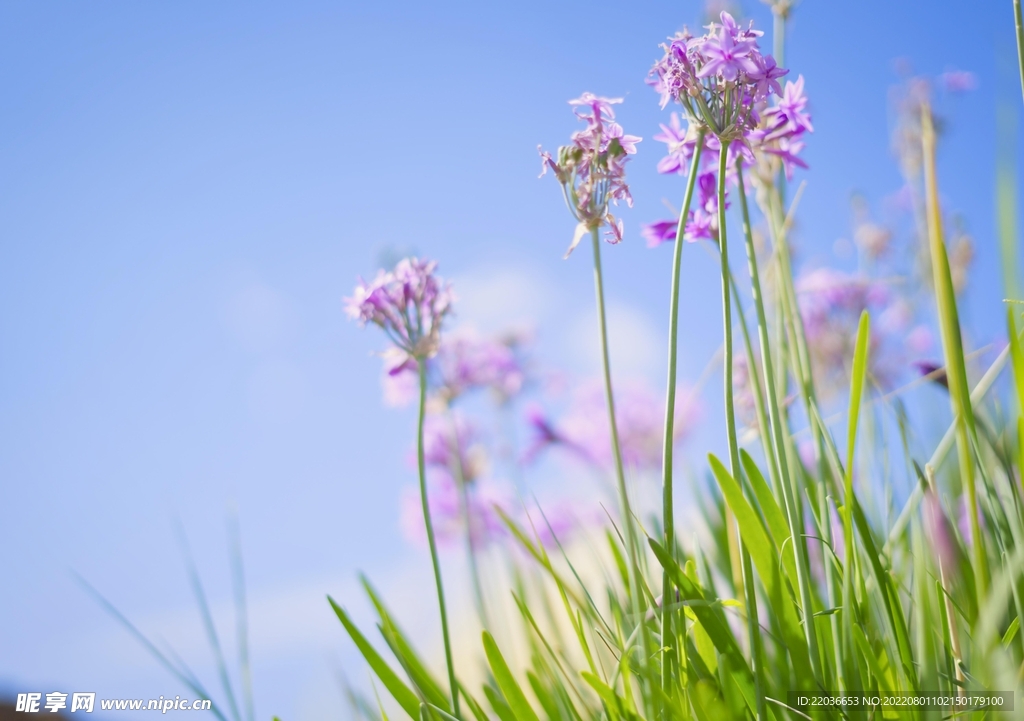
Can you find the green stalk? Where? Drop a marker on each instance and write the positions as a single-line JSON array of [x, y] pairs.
[[460, 482], [1019, 23], [780, 13], [750, 593], [949, 325], [620, 476], [668, 514], [422, 466], [790, 489]]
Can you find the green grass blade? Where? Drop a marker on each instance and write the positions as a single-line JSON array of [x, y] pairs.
[[241, 615], [184, 676], [395, 686], [952, 343], [773, 515], [762, 554], [208, 625], [510, 688], [847, 659], [403, 650]]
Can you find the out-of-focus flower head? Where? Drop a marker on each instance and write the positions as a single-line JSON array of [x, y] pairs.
[[409, 303], [831, 303], [447, 513], [640, 418], [465, 361], [559, 522], [450, 442], [942, 537], [701, 223], [744, 399], [658, 232], [907, 100], [592, 168], [779, 134]]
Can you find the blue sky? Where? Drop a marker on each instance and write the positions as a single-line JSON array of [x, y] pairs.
[[188, 191]]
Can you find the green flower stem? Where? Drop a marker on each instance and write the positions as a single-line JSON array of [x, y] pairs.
[[1019, 23], [668, 514], [791, 495], [422, 466], [460, 482], [750, 593], [620, 476]]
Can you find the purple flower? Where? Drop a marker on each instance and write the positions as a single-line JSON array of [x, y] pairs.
[[766, 77], [465, 362], [681, 146], [786, 149], [557, 523], [831, 303], [398, 380], [792, 105], [447, 515], [449, 443], [592, 169], [728, 53], [639, 414], [958, 81], [658, 232], [701, 226], [720, 79], [409, 303]]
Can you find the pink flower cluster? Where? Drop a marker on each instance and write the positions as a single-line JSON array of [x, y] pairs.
[[831, 303], [719, 78], [409, 303], [724, 84], [464, 362], [592, 168], [640, 417]]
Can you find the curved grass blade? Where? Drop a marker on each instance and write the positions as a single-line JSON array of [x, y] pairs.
[[395, 686], [184, 676], [510, 688]]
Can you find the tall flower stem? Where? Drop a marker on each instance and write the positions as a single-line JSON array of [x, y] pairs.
[[670, 411], [790, 488], [750, 593], [464, 509], [1018, 21], [422, 467], [620, 476]]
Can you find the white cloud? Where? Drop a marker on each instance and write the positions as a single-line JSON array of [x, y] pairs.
[[277, 391], [636, 346], [257, 315], [493, 299]]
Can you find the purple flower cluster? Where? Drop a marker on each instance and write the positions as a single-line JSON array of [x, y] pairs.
[[702, 222], [464, 362], [409, 303], [592, 168], [639, 413], [720, 78], [724, 84], [782, 126], [446, 512], [831, 303]]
